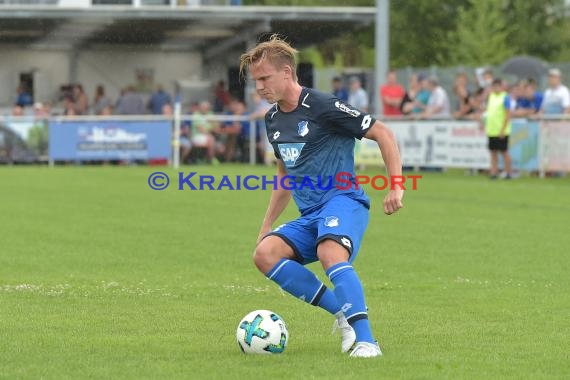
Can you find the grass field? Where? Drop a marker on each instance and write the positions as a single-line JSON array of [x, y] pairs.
[[102, 277]]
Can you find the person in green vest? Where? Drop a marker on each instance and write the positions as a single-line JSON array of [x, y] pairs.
[[498, 127]]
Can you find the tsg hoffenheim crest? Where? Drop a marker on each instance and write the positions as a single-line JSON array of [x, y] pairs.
[[303, 128], [331, 221]]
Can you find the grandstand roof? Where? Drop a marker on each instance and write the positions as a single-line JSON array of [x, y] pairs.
[[209, 28]]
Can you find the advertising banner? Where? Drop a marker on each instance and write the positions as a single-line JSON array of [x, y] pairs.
[[109, 140]]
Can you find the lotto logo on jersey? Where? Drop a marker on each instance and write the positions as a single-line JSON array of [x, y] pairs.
[[290, 153]]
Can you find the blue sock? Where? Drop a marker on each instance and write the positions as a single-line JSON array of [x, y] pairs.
[[349, 293], [303, 284]]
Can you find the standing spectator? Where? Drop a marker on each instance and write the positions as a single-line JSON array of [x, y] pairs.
[[81, 104], [438, 105], [532, 95], [557, 97], [416, 98], [464, 99], [130, 103], [24, 98], [498, 127], [392, 94], [158, 100], [222, 97], [338, 89], [101, 103], [357, 97]]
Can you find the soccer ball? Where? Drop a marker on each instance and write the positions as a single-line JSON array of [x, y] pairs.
[[262, 332]]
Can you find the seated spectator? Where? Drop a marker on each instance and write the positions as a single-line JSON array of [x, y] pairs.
[[101, 103], [438, 105], [229, 131], [557, 97], [416, 98], [158, 100], [81, 104], [338, 89], [202, 129], [130, 103]]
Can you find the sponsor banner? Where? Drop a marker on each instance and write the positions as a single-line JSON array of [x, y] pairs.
[[453, 144], [523, 144], [459, 144], [110, 140], [555, 145], [24, 139]]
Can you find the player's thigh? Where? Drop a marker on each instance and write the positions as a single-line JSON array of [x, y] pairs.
[[300, 236], [342, 224], [269, 251]]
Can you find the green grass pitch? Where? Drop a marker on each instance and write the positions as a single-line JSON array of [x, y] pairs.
[[102, 277]]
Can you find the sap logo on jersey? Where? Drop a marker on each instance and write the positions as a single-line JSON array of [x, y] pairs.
[[290, 153]]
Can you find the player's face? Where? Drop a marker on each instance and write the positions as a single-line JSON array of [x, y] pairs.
[[270, 82]]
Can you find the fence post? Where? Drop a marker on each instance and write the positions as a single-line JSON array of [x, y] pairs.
[[176, 141]]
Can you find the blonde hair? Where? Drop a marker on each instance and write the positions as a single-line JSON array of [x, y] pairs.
[[277, 51]]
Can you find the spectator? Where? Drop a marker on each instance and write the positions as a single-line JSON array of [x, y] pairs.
[[557, 97], [260, 108], [392, 94], [24, 98], [101, 103], [222, 97], [357, 97], [81, 104], [229, 131], [532, 95], [465, 105], [158, 100], [438, 105], [524, 107], [69, 106], [130, 103], [416, 98], [498, 127], [338, 89], [202, 130]]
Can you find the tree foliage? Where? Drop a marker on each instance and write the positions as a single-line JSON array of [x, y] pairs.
[[449, 32], [480, 36]]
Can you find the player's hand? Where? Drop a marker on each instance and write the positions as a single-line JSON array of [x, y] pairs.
[[264, 231], [393, 201]]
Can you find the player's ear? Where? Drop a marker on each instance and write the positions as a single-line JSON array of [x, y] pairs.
[[288, 71]]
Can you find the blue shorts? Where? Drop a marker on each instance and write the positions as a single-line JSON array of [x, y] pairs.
[[341, 219]]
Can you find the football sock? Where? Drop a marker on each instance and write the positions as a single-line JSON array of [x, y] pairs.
[[303, 284], [349, 293]]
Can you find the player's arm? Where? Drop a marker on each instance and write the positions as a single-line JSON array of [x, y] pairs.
[[279, 199], [508, 116], [389, 148]]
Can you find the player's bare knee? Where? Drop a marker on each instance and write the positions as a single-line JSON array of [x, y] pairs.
[[331, 253], [264, 257]]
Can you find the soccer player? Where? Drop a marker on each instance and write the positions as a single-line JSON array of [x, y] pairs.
[[313, 134]]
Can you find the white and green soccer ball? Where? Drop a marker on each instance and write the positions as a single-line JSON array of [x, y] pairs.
[[262, 332]]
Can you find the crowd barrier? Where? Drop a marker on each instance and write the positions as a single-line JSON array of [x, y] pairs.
[[540, 145]]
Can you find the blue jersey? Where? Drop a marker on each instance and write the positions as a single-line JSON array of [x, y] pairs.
[[316, 143]]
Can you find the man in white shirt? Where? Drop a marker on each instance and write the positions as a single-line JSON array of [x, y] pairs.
[[357, 97], [557, 97], [438, 104]]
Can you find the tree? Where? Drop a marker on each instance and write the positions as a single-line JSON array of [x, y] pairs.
[[481, 35]]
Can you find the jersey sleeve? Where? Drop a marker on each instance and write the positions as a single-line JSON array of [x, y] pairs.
[[344, 118]]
